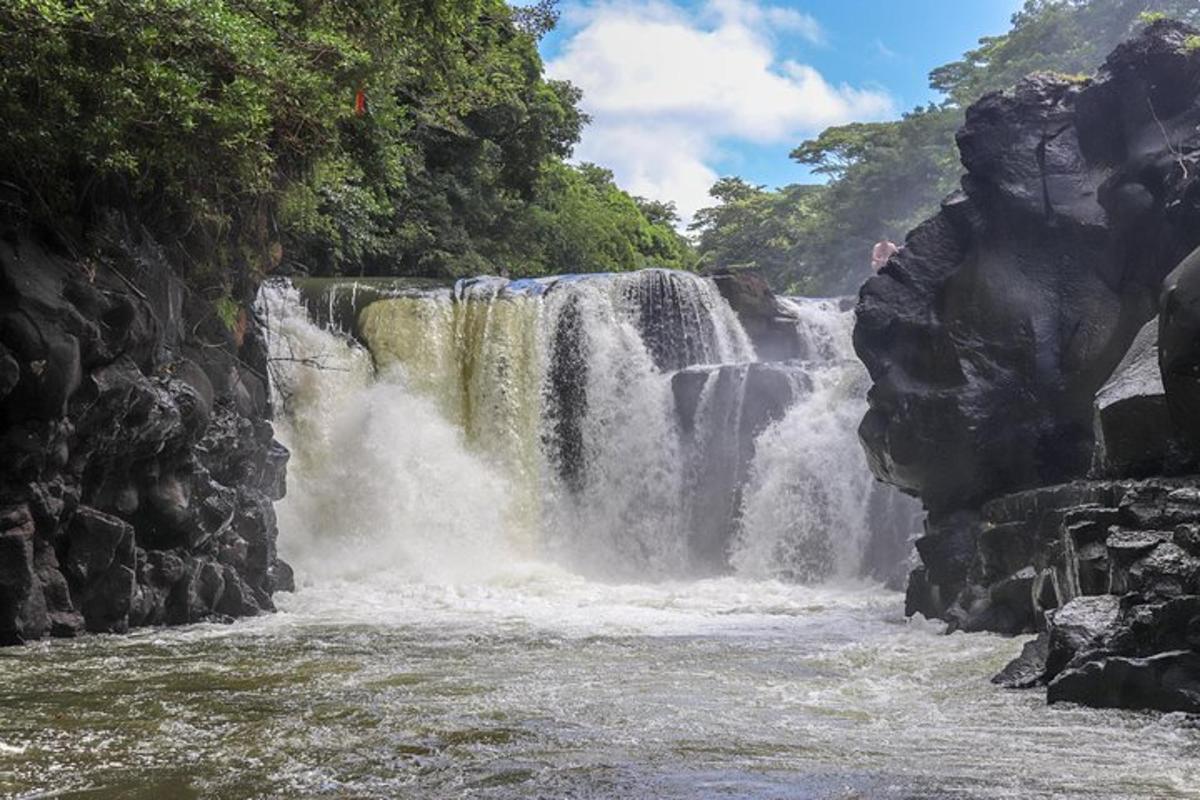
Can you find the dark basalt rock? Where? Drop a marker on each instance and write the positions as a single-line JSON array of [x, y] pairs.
[[1165, 682], [989, 334], [769, 324], [1013, 345], [1179, 351], [139, 466], [1133, 430], [1028, 669]]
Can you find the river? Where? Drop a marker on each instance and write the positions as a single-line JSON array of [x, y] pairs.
[[492, 512]]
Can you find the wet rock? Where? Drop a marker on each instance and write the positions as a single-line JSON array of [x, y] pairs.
[[948, 549], [283, 579], [1010, 605], [989, 334], [769, 324], [1167, 571], [96, 540], [1029, 668], [1134, 435], [1179, 353], [1079, 627], [21, 617], [923, 597], [127, 466], [1166, 682]]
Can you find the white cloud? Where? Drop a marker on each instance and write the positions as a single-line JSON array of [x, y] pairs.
[[667, 88]]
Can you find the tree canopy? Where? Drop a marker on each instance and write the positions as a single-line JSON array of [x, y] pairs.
[[883, 178], [335, 136]]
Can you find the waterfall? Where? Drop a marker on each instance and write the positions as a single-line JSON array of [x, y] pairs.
[[811, 507], [617, 425]]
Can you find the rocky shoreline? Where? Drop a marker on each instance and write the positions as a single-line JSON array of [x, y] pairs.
[[1033, 352], [139, 464]]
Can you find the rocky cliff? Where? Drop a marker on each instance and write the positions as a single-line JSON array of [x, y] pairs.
[[1013, 344], [139, 465]]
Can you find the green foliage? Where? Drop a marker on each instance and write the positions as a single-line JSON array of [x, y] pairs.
[[1191, 44], [756, 228], [198, 113], [579, 221], [1068, 36], [885, 178], [227, 310], [230, 127]]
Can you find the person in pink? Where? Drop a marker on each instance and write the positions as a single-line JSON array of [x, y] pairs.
[[881, 252]]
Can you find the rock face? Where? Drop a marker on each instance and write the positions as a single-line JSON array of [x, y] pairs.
[[1026, 392], [768, 322], [989, 334], [139, 467], [1134, 434], [1107, 572]]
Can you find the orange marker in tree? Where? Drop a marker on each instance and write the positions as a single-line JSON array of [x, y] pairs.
[[360, 103]]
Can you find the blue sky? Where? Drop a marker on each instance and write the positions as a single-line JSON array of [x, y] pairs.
[[683, 91]]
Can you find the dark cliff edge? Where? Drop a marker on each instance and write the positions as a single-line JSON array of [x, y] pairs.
[[138, 464], [1033, 351]]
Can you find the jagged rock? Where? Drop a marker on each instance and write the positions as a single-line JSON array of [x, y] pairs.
[[923, 597], [771, 327], [1167, 570], [95, 541], [19, 614], [1081, 626], [1166, 681], [1029, 668], [1012, 345], [989, 334], [948, 549], [135, 449], [1179, 351], [1134, 435]]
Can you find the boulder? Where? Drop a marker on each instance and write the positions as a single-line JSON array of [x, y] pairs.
[[1029, 668], [1081, 626], [1166, 682], [1133, 431], [769, 324]]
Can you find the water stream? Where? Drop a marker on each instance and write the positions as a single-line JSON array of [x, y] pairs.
[[566, 539]]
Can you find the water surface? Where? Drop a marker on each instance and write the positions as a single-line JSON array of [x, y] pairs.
[[545, 685]]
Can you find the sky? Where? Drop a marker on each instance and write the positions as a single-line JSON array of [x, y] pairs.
[[682, 92]]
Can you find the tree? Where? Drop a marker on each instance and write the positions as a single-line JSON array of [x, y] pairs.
[[356, 136], [884, 178]]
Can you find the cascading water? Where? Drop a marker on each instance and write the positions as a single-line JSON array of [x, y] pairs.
[[617, 425], [458, 483], [806, 509]]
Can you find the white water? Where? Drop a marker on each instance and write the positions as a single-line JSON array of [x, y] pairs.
[[806, 505], [451, 458], [450, 455], [442, 647]]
